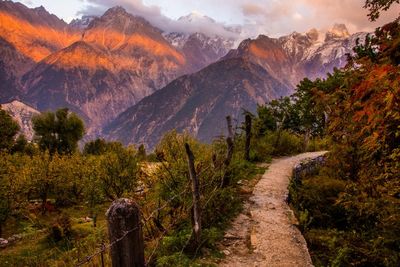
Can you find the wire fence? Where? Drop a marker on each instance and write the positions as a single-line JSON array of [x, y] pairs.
[[104, 248], [216, 174]]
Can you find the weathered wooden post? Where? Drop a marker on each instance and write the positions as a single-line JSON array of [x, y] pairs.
[[230, 128], [125, 233], [229, 153], [248, 136], [196, 197]]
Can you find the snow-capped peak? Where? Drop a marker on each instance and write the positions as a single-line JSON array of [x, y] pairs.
[[83, 22], [338, 31], [196, 17]]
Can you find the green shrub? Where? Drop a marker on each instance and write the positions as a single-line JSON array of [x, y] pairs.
[[61, 228], [176, 259], [319, 144], [277, 144]]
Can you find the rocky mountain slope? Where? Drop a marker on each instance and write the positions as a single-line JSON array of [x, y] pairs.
[[100, 66], [22, 114], [198, 103], [26, 37], [201, 48], [83, 22], [119, 60], [258, 71], [315, 53], [96, 66], [291, 58]]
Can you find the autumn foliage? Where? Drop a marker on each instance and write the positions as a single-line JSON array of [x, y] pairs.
[[350, 212]]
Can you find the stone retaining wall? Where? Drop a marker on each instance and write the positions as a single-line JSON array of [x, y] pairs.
[[307, 167]]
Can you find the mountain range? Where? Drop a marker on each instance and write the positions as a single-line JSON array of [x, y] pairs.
[[258, 71], [132, 82]]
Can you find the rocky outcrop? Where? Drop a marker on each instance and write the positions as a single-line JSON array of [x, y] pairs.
[[22, 114]]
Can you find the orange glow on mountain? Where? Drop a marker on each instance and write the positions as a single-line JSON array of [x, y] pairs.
[[80, 55], [113, 41], [84, 55], [156, 47], [109, 49], [266, 53], [34, 41]]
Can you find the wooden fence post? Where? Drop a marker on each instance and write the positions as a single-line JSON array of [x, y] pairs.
[[196, 197], [125, 233], [248, 136], [229, 153], [230, 128]]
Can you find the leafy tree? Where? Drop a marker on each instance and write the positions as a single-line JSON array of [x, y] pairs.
[[8, 129], [119, 167], [96, 147], [5, 197], [12, 185], [141, 154], [58, 132], [375, 7], [265, 121], [92, 189], [44, 171]]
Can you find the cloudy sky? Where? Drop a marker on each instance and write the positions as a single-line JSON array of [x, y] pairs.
[[270, 17]]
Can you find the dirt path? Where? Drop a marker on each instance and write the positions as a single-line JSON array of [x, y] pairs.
[[265, 234]]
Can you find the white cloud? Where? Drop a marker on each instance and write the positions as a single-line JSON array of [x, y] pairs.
[[270, 17], [283, 16], [155, 17]]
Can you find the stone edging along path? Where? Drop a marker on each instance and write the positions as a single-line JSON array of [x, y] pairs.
[[264, 234]]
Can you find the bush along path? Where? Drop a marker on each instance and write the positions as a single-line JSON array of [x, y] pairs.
[[265, 233]]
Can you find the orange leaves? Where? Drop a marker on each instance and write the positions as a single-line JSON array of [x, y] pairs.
[[373, 107]]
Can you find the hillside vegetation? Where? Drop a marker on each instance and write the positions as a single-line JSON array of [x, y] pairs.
[[350, 211]]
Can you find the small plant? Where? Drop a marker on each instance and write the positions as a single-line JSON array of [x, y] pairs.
[[61, 228]]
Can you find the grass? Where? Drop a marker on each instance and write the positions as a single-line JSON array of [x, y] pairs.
[[37, 248]]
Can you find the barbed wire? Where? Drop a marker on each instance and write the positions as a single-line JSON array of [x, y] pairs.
[[104, 247]]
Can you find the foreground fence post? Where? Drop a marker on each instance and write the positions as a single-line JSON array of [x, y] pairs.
[[196, 196], [125, 232]]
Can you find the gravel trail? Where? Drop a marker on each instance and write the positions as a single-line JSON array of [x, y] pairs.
[[265, 233]]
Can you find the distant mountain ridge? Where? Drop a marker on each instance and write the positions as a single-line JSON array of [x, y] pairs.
[[119, 60], [97, 67], [101, 67], [257, 72], [198, 103]]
